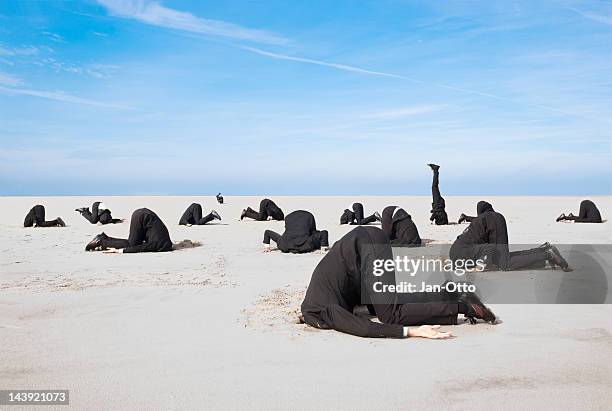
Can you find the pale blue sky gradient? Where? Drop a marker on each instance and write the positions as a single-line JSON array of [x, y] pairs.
[[317, 97]]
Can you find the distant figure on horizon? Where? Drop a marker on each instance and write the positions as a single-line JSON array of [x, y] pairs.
[[356, 217], [36, 218], [486, 239], [438, 213], [98, 214], [300, 236], [219, 198], [344, 279], [193, 216], [481, 207], [399, 227], [148, 233], [588, 214], [267, 210]]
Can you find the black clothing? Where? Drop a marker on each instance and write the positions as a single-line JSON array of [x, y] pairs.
[[300, 236], [148, 233], [481, 207], [487, 238], [356, 217], [437, 206], [588, 213], [399, 227], [36, 216], [347, 217], [344, 279], [219, 198], [193, 215], [97, 215], [267, 208]]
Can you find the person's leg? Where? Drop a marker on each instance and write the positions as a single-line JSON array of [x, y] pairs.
[[39, 212], [250, 213], [358, 210], [465, 218], [271, 235], [435, 188], [207, 218], [321, 238], [263, 209], [367, 220], [111, 242], [137, 229], [89, 216], [95, 212], [527, 259]]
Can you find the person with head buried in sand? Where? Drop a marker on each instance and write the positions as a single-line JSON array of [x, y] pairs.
[[267, 210], [588, 213], [345, 278], [148, 233], [399, 227], [193, 216], [99, 214], [357, 216], [36, 218], [486, 239], [300, 236]]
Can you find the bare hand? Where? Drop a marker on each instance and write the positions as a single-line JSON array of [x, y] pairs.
[[429, 331]]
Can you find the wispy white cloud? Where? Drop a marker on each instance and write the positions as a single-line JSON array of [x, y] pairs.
[[9, 80], [155, 14], [344, 67], [54, 37], [58, 96], [18, 51], [600, 18], [360, 70]]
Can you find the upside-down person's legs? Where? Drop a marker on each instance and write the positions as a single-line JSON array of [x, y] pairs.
[[435, 189]]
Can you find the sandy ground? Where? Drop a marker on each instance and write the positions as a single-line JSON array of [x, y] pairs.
[[211, 327]]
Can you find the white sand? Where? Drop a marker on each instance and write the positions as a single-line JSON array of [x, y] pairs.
[[210, 327]]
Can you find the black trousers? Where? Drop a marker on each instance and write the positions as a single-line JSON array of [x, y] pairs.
[[359, 218], [533, 258], [438, 204], [138, 235], [193, 215], [36, 215]]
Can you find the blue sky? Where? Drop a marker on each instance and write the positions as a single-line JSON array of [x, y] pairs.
[[317, 97]]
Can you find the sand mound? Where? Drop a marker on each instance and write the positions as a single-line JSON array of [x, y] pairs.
[[278, 309], [185, 244]]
